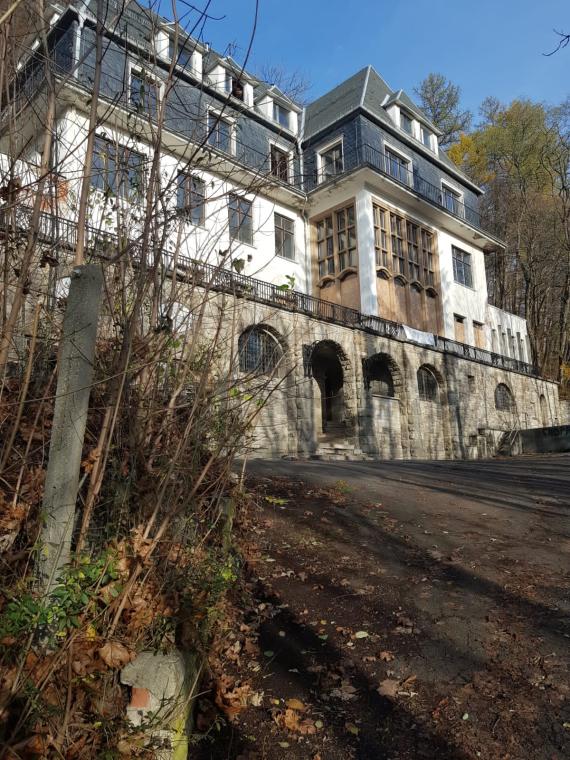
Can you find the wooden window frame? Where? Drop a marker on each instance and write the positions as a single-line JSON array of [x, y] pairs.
[[336, 240], [411, 235]]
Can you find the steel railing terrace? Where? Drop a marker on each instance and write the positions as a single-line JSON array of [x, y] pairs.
[[374, 158], [60, 234], [193, 128]]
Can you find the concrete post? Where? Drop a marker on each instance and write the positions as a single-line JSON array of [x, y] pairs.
[[75, 375]]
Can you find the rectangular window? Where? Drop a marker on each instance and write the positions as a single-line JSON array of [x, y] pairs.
[[405, 122], [413, 251], [336, 241], [397, 167], [181, 55], [191, 198], [398, 249], [279, 160], [428, 258], [346, 237], [462, 267], [117, 170], [332, 162], [281, 115], [284, 237], [479, 335], [219, 133], [241, 219], [144, 93], [381, 237], [451, 199], [406, 248], [459, 323], [426, 137]]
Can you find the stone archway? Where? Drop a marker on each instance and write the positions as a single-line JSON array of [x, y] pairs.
[[327, 360]]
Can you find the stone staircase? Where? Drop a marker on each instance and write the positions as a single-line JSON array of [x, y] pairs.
[[336, 446]]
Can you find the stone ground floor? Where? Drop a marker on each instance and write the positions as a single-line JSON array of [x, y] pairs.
[[401, 610], [342, 392]]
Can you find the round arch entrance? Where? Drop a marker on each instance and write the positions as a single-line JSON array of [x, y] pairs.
[[326, 368]]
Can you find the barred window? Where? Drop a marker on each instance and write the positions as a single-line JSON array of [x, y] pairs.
[[428, 386], [259, 352], [504, 400]]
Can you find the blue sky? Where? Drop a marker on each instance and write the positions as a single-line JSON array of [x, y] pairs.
[[487, 47]]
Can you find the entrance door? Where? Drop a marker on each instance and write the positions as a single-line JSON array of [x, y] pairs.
[[327, 371]]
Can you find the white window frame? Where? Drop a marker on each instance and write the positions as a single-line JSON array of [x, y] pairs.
[[324, 149], [284, 149], [136, 69], [229, 120], [275, 103], [446, 185], [293, 233], [399, 152], [423, 128], [412, 121]]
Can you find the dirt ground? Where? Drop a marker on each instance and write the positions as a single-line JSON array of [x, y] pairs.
[[394, 611]]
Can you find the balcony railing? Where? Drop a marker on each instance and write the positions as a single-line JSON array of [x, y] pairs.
[[61, 234], [373, 158]]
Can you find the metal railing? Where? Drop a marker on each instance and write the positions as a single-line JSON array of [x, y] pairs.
[[373, 158], [59, 233]]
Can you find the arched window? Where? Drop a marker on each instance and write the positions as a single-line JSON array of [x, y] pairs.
[[504, 400], [428, 386], [259, 352], [380, 376]]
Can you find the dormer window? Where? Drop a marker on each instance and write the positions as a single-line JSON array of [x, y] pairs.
[[426, 137], [281, 115], [406, 122], [181, 55], [234, 86]]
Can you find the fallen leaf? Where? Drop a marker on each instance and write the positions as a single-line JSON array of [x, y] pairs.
[[114, 654], [388, 688], [295, 704], [361, 635], [352, 729], [386, 656]]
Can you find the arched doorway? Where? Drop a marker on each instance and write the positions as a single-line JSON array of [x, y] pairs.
[[326, 368]]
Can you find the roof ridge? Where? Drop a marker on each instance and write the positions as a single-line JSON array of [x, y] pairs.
[[365, 86]]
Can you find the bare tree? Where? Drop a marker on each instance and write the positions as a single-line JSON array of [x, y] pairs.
[[441, 101]]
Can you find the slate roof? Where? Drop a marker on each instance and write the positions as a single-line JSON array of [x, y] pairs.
[[368, 91]]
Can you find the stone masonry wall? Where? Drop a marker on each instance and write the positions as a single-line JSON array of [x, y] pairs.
[[462, 423]]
